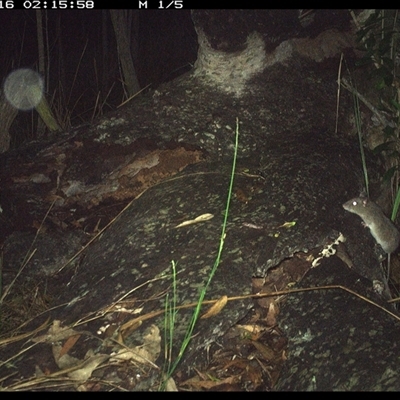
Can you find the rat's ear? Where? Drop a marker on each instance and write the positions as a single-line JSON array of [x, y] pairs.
[[364, 201]]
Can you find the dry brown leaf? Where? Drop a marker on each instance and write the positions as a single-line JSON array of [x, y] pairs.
[[254, 330], [196, 384], [266, 351], [69, 344], [171, 386], [87, 368], [128, 327], [273, 310], [216, 307], [252, 374], [66, 361], [274, 376], [56, 333], [147, 352]]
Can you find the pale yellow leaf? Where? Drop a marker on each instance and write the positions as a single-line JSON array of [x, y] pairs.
[[216, 307]]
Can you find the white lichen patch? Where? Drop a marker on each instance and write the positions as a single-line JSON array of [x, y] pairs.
[[230, 71], [328, 250]]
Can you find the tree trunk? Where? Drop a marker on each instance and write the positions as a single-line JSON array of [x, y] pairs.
[[120, 20]]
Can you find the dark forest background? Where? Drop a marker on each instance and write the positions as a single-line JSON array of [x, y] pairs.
[[83, 76]]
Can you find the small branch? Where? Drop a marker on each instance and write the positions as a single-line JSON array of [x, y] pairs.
[[382, 119]]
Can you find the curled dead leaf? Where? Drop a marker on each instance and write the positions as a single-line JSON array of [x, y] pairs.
[[216, 307], [200, 218]]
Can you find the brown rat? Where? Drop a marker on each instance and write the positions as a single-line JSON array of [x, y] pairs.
[[382, 229]]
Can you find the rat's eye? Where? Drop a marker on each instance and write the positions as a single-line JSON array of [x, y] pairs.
[[354, 203]]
